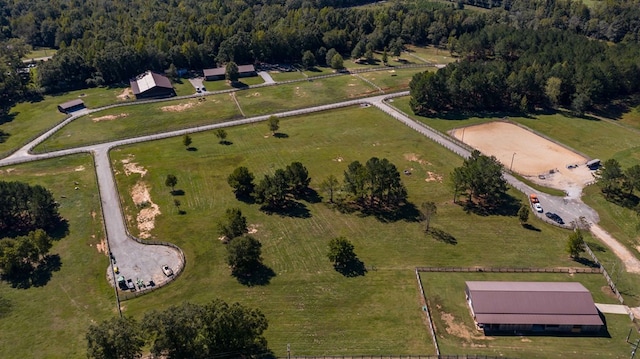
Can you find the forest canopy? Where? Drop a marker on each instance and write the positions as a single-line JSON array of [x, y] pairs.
[[25, 208], [107, 41]]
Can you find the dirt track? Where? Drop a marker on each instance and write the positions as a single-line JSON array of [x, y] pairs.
[[528, 154]]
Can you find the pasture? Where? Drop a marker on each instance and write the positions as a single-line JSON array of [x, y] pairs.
[[457, 333], [49, 319], [308, 304]]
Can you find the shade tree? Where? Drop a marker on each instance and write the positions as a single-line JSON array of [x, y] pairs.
[[244, 255], [233, 224], [241, 180]]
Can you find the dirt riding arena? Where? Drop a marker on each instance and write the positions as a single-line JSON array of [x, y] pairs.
[[532, 156]]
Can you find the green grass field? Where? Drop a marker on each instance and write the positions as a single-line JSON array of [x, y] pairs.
[[393, 80], [429, 54], [457, 333], [262, 101], [137, 120], [378, 313], [50, 321], [28, 119]]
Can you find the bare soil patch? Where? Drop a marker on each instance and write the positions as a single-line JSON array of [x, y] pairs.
[[102, 246], [125, 94], [149, 210], [433, 177], [179, 107], [132, 167], [109, 117], [530, 155], [414, 157], [457, 328], [79, 169]]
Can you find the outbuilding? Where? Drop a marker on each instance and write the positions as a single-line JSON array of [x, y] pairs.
[[71, 106], [533, 307], [218, 73], [151, 85], [593, 164]]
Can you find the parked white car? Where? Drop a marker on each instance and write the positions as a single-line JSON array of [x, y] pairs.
[[167, 271], [538, 207]]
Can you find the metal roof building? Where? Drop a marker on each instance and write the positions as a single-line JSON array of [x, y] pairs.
[[219, 72], [71, 106], [151, 85], [533, 306]]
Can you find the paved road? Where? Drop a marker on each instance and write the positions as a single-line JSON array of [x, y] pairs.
[[144, 261]]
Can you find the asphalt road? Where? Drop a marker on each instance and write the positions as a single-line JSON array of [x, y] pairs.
[[143, 261]]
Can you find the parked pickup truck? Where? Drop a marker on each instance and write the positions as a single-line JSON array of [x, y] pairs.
[[533, 198]]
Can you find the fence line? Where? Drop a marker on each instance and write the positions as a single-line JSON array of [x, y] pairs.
[[428, 314], [510, 270]]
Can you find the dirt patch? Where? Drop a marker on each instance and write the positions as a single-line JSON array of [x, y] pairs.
[[253, 228], [93, 215], [102, 246], [459, 329], [533, 156], [79, 169], [109, 117], [125, 94], [132, 167], [433, 177], [608, 291], [149, 210], [338, 159], [179, 107], [414, 157], [255, 94]]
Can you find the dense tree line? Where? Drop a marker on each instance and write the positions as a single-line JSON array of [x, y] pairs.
[[25, 208], [503, 68], [212, 330], [110, 41]]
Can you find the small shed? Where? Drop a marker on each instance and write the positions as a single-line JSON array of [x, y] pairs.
[[533, 307], [71, 106]]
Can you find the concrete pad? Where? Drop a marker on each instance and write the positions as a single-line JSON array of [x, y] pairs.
[[612, 308]]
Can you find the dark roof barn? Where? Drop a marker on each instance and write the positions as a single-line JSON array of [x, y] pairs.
[[71, 106], [152, 85]]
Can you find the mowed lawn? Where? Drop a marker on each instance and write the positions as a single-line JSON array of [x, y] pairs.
[[598, 139], [50, 321], [296, 95], [309, 305], [457, 333], [26, 120], [391, 80], [137, 120]]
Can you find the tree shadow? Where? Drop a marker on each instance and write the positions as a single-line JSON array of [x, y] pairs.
[[505, 206], [6, 118], [291, 209], [531, 227], [182, 212], [246, 198], [239, 85], [36, 275], [353, 268], [597, 247], [226, 143], [309, 195], [192, 149], [5, 307], [621, 198], [4, 136], [587, 262], [260, 275], [59, 230], [442, 236], [280, 135], [406, 212], [43, 271], [177, 192]]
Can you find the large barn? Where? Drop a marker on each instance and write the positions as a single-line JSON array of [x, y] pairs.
[[533, 307], [151, 85], [71, 106]]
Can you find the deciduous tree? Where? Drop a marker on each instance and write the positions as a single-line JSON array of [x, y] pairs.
[[298, 178], [232, 73], [171, 181], [117, 338], [428, 211], [244, 254], [575, 244], [274, 124], [222, 135], [341, 251], [523, 214], [241, 180], [186, 141], [330, 185], [233, 225]]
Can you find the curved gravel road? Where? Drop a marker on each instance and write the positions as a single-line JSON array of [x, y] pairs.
[[143, 261]]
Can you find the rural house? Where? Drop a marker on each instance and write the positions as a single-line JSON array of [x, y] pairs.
[[151, 85], [533, 307]]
